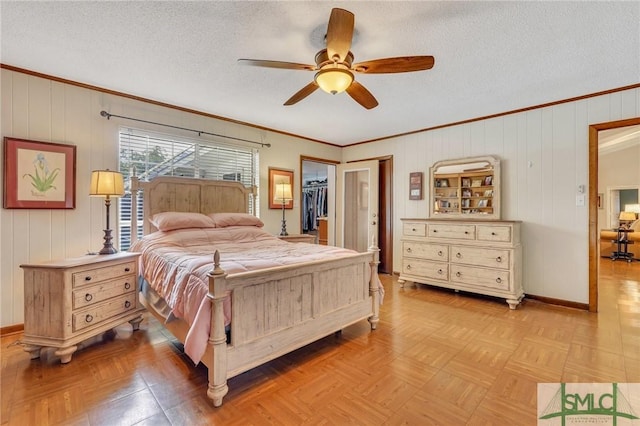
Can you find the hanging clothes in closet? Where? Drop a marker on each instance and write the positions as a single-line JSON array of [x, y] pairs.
[[314, 204]]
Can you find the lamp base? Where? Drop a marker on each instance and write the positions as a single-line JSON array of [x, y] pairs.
[[283, 229], [108, 246]]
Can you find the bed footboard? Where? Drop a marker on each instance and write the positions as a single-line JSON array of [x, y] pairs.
[[281, 309]]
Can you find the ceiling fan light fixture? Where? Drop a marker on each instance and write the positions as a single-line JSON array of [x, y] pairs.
[[334, 80]]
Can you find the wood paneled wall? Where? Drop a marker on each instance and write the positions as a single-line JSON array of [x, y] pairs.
[[545, 158]]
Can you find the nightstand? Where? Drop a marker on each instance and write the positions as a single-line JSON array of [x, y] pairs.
[[299, 238], [70, 300]]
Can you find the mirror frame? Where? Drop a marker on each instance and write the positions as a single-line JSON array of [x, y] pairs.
[[493, 161]]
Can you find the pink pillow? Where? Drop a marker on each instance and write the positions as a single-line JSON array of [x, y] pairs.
[[223, 220], [168, 221]]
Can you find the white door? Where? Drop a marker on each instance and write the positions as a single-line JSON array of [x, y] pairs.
[[357, 205]]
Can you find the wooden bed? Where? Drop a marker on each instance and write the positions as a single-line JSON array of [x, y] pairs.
[[321, 297]]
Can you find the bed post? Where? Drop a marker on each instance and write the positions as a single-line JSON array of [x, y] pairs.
[[374, 284], [217, 388], [135, 184]]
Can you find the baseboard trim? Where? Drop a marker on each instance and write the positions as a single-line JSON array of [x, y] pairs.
[[12, 329], [559, 302]]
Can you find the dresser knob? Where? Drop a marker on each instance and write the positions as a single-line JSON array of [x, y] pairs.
[[435, 230], [458, 274], [458, 255], [88, 318], [466, 232], [408, 266], [413, 229], [439, 252], [87, 278], [127, 286], [88, 297], [499, 259], [493, 233], [127, 304], [127, 269], [498, 280], [408, 249], [440, 271]]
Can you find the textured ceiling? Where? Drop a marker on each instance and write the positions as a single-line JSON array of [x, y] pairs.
[[490, 57]]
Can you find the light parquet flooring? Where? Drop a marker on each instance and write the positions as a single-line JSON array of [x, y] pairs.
[[437, 358]]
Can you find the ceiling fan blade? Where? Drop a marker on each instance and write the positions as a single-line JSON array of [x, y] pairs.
[[302, 93], [361, 95], [339, 33], [276, 64], [393, 65]]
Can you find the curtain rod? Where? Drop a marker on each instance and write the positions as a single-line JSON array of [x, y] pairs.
[[199, 132]]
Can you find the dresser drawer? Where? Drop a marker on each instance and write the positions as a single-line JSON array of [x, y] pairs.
[[494, 233], [480, 256], [425, 251], [91, 276], [457, 232], [102, 312], [480, 277], [426, 269], [106, 290], [414, 229]]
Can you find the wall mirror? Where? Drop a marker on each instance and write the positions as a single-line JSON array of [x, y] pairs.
[[465, 188]]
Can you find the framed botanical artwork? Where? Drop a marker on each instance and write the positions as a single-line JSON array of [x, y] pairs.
[[39, 175], [280, 178], [415, 186]]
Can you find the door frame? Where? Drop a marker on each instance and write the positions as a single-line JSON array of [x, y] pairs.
[[594, 260]]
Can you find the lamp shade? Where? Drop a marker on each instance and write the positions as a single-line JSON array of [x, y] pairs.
[[106, 183], [635, 208], [627, 216], [334, 80], [282, 193]]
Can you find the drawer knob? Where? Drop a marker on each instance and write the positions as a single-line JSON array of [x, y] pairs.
[[458, 274], [466, 232], [413, 229], [408, 249], [498, 280], [493, 233], [88, 297], [127, 269], [88, 318], [440, 271], [499, 259], [127, 286], [408, 266], [127, 304], [440, 253], [435, 230], [87, 278], [458, 255]]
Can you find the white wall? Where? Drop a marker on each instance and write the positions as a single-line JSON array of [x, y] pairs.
[[40, 109], [543, 195], [617, 169]]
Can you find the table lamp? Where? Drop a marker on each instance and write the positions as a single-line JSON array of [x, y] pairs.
[[107, 183], [626, 218], [283, 196]]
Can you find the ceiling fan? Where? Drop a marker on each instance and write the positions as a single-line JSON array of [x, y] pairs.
[[335, 68]]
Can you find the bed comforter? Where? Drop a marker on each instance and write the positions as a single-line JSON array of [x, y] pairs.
[[176, 263]]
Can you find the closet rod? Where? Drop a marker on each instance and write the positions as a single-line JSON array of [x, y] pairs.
[[199, 132]]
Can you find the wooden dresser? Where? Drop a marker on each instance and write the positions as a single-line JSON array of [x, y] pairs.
[[477, 256], [68, 301]]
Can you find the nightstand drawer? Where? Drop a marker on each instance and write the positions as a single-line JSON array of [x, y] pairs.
[[106, 290], [89, 317], [91, 276]]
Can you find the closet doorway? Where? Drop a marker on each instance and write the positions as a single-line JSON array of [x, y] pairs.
[[317, 200]]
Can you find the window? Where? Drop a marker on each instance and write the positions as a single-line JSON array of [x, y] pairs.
[[154, 154]]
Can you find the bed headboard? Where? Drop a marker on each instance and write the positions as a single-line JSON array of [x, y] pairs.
[[180, 194]]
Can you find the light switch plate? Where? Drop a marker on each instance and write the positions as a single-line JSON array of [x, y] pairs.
[[580, 200]]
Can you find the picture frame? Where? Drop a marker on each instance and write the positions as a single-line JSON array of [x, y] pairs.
[[601, 200], [476, 183], [488, 180], [38, 175], [278, 176], [415, 186]]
